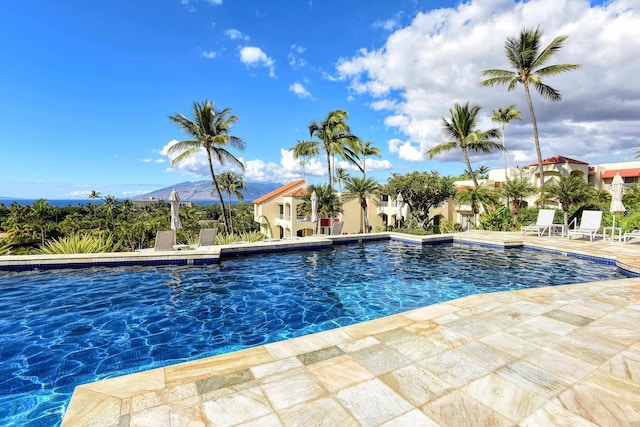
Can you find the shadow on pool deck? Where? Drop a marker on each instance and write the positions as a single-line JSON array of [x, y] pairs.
[[547, 356]]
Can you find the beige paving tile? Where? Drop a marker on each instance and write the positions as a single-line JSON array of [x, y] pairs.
[[509, 344], [567, 317], [532, 334], [613, 330], [461, 410], [453, 368], [485, 355], [340, 372], [553, 414], [506, 398], [413, 418], [546, 323], [273, 368], [270, 420], [321, 412], [535, 379], [373, 403], [566, 367], [587, 347], [604, 401], [291, 390], [237, 408], [416, 385], [380, 359]]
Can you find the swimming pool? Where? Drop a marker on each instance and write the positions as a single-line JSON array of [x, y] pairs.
[[67, 327]]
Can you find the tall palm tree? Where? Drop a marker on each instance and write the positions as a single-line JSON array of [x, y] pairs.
[[515, 191], [306, 150], [368, 149], [210, 131], [336, 138], [504, 116], [231, 183], [527, 60], [568, 190], [461, 133], [361, 188]]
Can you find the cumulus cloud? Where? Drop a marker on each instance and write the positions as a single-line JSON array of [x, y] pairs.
[[234, 34], [208, 54], [435, 61], [288, 169], [299, 90], [253, 56]]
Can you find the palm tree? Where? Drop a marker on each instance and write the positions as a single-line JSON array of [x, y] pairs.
[[477, 197], [210, 131], [328, 202], [306, 150], [368, 149], [515, 191], [341, 176], [231, 183], [568, 190], [361, 188], [336, 138], [504, 116], [462, 134], [526, 59]]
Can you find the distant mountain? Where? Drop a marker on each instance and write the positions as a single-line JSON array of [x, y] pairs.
[[201, 191]]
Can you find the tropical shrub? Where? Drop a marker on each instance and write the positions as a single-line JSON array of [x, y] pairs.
[[248, 236], [81, 244], [498, 219]]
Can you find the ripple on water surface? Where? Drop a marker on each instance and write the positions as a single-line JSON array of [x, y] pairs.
[[63, 328]]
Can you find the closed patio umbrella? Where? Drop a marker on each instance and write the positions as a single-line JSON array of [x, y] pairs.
[[174, 200], [314, 210], [399, 206], [617, 187]]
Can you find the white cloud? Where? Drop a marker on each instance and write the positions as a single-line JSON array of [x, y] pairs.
[[427, 66], [294, 56], [208, 54], [190, 5], [234, 34], [299, 90], [407, 150], [254, 56], [288, 169]]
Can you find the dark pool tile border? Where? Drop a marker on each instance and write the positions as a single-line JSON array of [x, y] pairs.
[[124, 263]]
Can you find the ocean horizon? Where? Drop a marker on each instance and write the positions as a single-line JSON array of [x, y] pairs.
[[61, 203]]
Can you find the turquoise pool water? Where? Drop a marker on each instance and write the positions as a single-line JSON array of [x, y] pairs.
[[62, 328]]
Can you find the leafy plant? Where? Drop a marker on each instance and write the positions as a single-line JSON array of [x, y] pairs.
[[81, 244]]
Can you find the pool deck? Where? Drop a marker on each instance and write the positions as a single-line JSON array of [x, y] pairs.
[[565, 355]]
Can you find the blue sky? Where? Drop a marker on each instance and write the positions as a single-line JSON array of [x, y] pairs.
[[86, 87]]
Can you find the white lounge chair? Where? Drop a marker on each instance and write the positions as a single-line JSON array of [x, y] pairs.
[[336, 229], [165, 240], [589, 224], [206, 238], [635, 234], [543, 223]]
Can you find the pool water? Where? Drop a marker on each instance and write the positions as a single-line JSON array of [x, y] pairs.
[[62, 328]]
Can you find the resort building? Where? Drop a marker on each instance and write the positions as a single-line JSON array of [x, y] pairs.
[[277, 211]]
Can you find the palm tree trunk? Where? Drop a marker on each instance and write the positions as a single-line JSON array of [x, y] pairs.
[[535, 138], [466, 159], [230, 213], [365, 220], [329, 169], [215, 184]]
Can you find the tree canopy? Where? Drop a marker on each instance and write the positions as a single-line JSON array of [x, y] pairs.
[[421, 191]]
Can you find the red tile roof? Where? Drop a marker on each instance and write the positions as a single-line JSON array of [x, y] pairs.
[[625, 173], [279, 191], [558, 160], [300, 192]]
